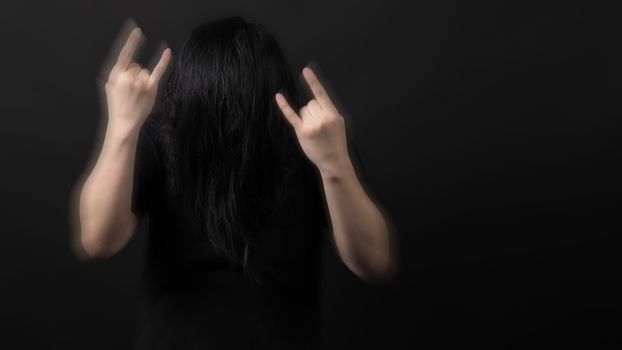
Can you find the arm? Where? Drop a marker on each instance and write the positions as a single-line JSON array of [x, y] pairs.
[[105, 217], [361, 233], [104, 209]]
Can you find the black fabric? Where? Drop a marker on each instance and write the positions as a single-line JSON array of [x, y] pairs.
[[147, 167], [193, 299]]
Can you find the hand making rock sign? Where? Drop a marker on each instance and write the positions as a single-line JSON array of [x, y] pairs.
[[103, 203], [131, 89], [361, 235], [319, 126]]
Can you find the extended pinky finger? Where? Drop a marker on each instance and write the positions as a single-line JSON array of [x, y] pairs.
[[160, 68], [287, 110]]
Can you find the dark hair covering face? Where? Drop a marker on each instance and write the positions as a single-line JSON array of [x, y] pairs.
[[231, 154]]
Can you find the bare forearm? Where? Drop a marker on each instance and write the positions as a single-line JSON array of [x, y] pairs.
[[362, 236], [105, 200], [360, 231]]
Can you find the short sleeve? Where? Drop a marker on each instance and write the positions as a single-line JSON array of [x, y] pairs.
[[146, 169]]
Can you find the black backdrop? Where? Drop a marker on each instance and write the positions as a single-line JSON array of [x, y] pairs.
[[490, 131]]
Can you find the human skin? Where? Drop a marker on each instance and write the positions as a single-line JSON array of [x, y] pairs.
[[106, 222], [360, 231]]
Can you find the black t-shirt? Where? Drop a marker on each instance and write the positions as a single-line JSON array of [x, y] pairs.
[[195, 299]]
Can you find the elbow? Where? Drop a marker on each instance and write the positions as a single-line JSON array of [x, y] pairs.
[[95, 243], [93, 236], [375, 265], [377, 270], [384, 267], [93, 247]]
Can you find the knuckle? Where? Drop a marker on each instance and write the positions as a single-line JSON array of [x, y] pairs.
[[317, 129], [123, 78], [138, 85]]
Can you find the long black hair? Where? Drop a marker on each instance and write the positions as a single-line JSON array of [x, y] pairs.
[[231, 152]]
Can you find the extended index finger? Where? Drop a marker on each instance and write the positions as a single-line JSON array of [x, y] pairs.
[[127, 52], [316, 87]]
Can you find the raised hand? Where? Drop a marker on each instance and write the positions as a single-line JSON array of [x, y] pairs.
[[131, 89], [360, 231], [319, 126]]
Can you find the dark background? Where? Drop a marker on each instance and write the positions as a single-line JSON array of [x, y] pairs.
[[490, 133]]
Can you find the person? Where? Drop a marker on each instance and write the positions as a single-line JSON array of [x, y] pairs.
[[238, 184]]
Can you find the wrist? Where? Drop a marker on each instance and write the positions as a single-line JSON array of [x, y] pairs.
[[337, 171], [122, 132]]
